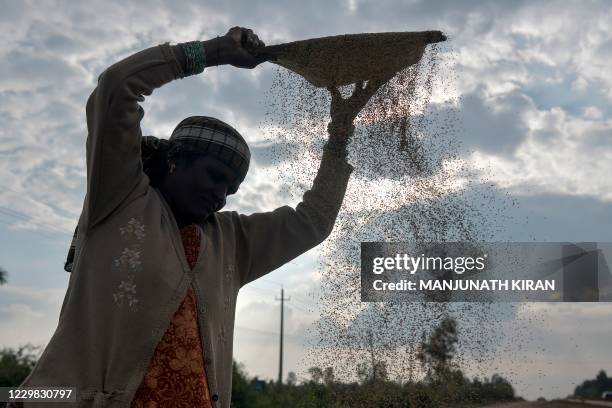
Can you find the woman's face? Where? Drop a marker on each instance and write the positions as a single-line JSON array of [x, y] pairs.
[[199, 189]]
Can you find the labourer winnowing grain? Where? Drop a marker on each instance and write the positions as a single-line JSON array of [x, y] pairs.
[[155, 266]]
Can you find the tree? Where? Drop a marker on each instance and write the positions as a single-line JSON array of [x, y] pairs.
[[291, 379], [328, 376], [363, 372], [376, 369], [16, 365], [242, 392], [602, 379], [594, 388], [437, 352], [380, 371], [372, 373], [316, 374], [3, 274]]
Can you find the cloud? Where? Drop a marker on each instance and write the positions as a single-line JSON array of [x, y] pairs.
[[271, 154], [530, 84], [544, 217], [562, 153], [487, 123], [27, 71], [502, 54]]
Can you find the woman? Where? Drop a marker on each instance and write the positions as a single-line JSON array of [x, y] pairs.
[[148, 316]]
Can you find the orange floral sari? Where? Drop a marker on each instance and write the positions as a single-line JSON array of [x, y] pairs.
[[176, 375]]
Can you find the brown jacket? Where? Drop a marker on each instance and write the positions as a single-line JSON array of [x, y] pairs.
[[130, 272]]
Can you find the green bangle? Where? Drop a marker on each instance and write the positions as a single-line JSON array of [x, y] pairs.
[[195, 57]]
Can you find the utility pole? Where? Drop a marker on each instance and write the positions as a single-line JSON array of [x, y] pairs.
[[280, 360], [371, 344]]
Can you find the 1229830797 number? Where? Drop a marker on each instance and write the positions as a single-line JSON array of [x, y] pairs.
[[21, 394]]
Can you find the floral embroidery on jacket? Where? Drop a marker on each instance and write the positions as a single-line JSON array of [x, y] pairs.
[[226, 303], [129, 263], [133, 230], [229, 272], [221, 336]]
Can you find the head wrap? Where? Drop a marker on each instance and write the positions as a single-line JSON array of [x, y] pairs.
[[213, 137], [199, 134]]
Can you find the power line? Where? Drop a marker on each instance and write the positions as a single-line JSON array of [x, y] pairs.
[[300, 300], [266, 279], [42, 234], [5, 222], [299, 308], [271, 281], [19, 215], [22, 194], [304, 303], [264, 332], [249, 287], [305, 308], [257, 331]]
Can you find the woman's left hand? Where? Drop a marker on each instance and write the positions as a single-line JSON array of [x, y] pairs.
[[344, 111]]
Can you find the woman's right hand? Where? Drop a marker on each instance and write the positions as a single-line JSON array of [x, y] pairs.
[[238, 47]]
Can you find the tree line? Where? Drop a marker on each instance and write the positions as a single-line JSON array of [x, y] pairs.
[[444, 385], [593, 389]]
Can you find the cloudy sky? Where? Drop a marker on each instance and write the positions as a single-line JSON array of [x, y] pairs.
[[531, 88]]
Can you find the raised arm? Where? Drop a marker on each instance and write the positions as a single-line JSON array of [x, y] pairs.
[[114, 167], [268, 240]]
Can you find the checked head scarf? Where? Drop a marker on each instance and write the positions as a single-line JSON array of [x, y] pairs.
[[199, 134], [213, 137]]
